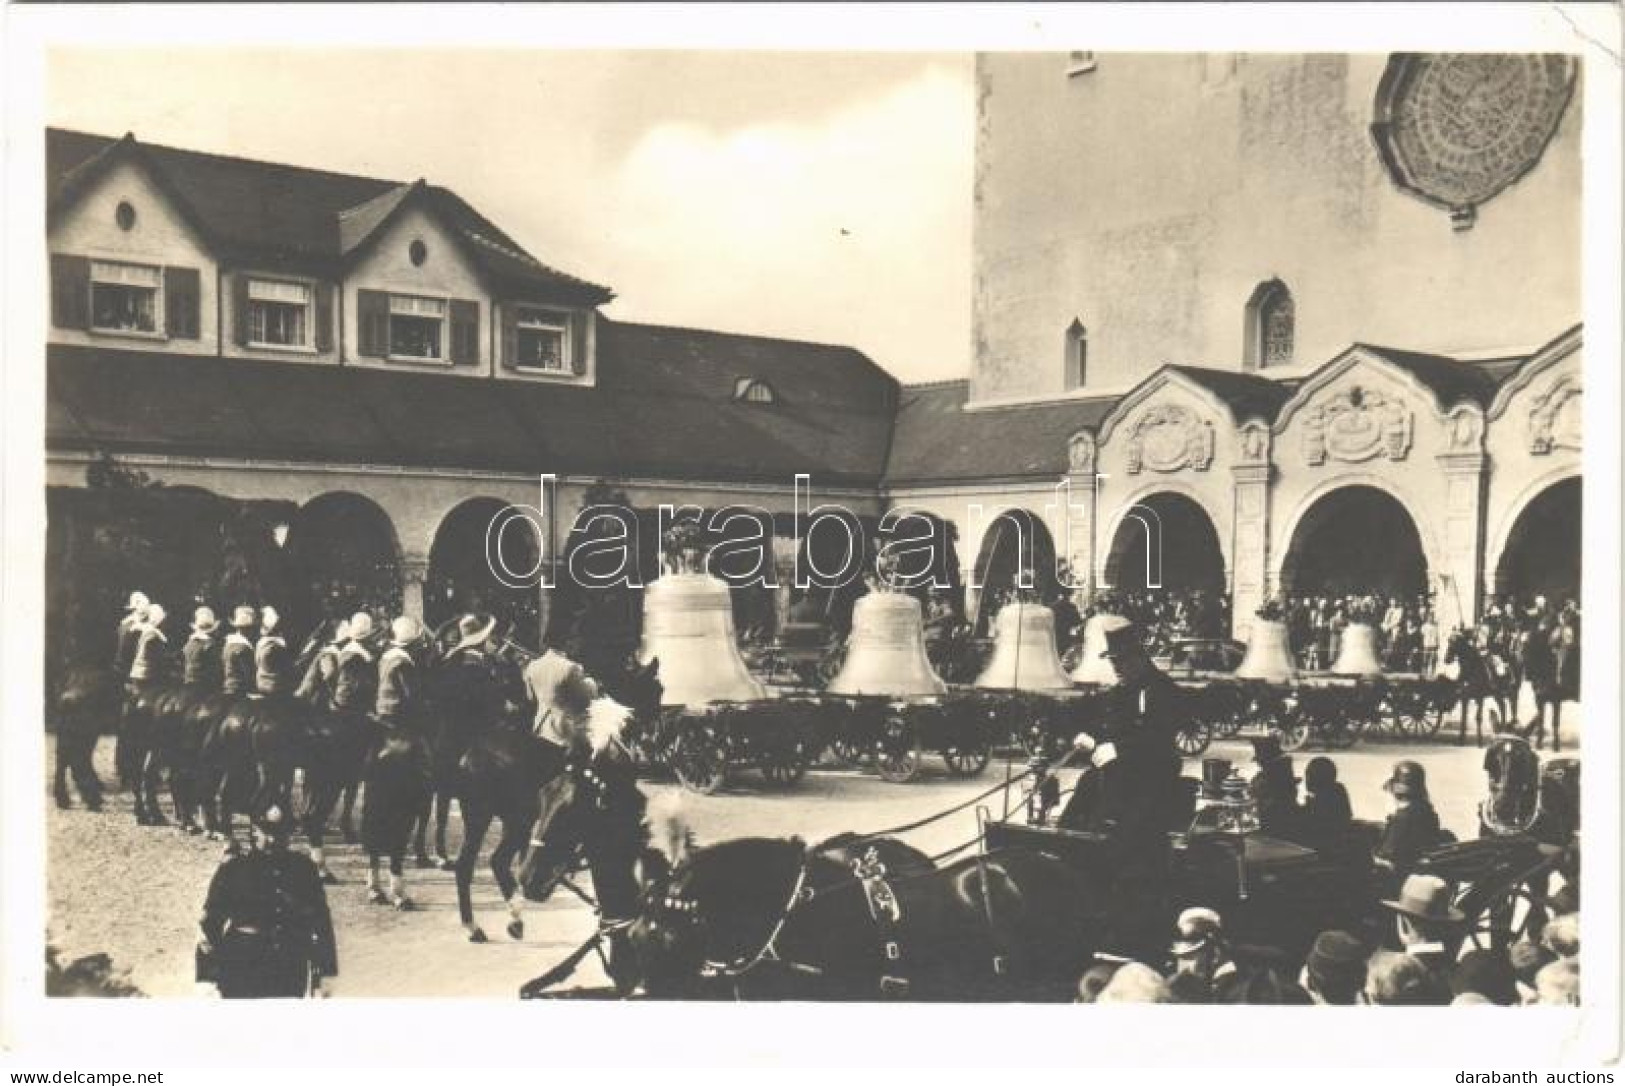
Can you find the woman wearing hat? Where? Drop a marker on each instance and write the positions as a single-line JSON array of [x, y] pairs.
[[1413, 827], [200, 656], [237, 655], [267, 931]]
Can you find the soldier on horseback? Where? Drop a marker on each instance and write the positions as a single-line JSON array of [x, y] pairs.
[[237, 655], [271, 662], [397, 772], [129, 634], [200, 656], [561, 691], [316, 686]]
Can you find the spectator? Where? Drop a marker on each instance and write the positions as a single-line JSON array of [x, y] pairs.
[[1527, 960], [1399, 980], [1558, 984], [1260, 986], [1429, 926], [1094, 980], [1135, 983], [1327, 814], [1200, 951], [1413, 827], [1561, 936], [1335, 969], [1486, 974]]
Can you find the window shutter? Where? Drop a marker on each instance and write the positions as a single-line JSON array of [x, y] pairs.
[[324, 316], [465, 332], [239, 308], [182, 300], [510, 335], [372, 323], [70, 291], [580, 340]]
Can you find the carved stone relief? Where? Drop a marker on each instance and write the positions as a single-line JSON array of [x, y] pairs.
[[1356, 425], [1556, 418], [1167, 438], [1080, 453]]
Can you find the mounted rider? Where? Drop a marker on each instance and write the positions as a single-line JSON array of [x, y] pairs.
[[561, 690], [397, 708], [272, 664], [316, 687], [355, 678], [150, 664], [237, 655], [200, 656], [129, 634]]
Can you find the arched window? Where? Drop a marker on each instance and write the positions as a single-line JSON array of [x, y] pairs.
[[754, 390], [1271, 326], [1077, 355]]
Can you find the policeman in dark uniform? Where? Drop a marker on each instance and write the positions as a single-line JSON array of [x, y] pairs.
[[267, 932], [1135, 765]]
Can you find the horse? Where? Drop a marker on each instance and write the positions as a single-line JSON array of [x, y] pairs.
[[773, 918], [1480, 676], [87, 699], [499, 779]]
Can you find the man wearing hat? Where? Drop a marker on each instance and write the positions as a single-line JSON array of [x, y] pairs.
[[355, 678], [1200, 952], [237, 655], [1413, 826], [396, 707], [150, 664], [316, 687], [1428, 923], [1274, 788], [561, 691], [1334, 971], [200, 656], [267, 931], [1136, 762], [129, 634], [271, 660]]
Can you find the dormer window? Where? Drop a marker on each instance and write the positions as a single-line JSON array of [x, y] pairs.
[[752, 390], [416, 328], [278, 313], [124, 297], [542, 340]]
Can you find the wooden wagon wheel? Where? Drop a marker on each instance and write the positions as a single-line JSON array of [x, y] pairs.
[[1293, 731], [969, 758], [1512, 914], [897, 751], [700, 760], [1194, 738]]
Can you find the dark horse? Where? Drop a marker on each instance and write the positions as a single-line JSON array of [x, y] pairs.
[[499, 779], [87, 700], [851, 919], [1482, 677]]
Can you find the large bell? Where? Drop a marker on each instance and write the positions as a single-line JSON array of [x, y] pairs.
[[688, 622], [885, 654], [1357, 651], [1269, 653], [1093, 668], [1024, 656]]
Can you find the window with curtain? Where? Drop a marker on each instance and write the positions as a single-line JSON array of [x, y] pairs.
[[124, 297]]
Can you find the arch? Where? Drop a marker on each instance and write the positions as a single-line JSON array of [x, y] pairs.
[[1075, 360], [1167, 536], [1014, 540], [1271, 329], [1538, 549], [1329, 547], [460, 577], [346, 557]]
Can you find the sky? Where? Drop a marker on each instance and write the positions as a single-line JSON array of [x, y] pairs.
[[819, 196]]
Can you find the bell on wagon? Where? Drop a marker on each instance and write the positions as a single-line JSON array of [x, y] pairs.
[[1024, 656], [886, 652], [688, 622], [1269, 653], [1357, 651], [1094, 668]]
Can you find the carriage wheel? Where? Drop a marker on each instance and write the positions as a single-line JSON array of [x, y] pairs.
[[700, 762], [1345, 734], [1293, 733], [897, 753], [1513, 915], [968, 760], [1427, 721], [1194, 738], [848, 752], [787, 765]]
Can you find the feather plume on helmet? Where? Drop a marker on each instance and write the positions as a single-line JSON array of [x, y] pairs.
[[606, 719], [669, 831]]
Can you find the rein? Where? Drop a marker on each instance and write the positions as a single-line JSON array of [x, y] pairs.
[[743, 965]]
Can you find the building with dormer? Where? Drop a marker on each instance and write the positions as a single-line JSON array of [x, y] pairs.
[[1261, 309]]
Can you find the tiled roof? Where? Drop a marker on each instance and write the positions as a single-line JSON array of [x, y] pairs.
[[661, 410], [935, 440], [1450, 380], [290, 215], [1248, 395]]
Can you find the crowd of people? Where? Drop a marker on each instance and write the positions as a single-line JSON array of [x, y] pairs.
[[1423, 966], [1408, 635]]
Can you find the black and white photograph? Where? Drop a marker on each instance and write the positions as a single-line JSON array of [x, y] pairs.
[[952, 523]]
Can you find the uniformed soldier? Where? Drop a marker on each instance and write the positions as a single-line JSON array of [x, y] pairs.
[[150, 664], [200, 656], [267, 932], [237, 655], [271, 662], [1413, 826], [1136, 764], [129, 634], [316, 687], [396, 707], [355, 678]]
